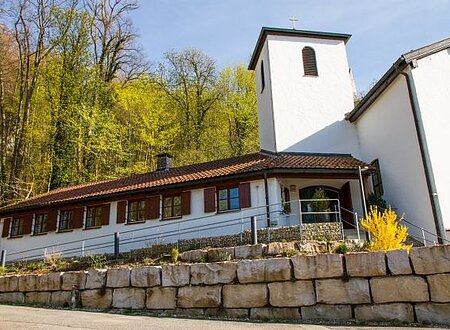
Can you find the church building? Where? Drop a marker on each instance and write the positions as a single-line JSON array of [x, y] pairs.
[[320, 158]]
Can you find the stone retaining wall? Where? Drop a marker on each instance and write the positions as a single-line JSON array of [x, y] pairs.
[[378, 286]]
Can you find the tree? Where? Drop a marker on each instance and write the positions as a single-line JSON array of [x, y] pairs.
[[385, 230]]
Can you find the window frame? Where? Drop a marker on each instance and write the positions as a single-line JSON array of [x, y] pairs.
[[140, 211], [20, 222], [377, 182], [171, 207], [41, 221], [66, 218], [97, 217], [309, 54], [228, 199], [263, 76]]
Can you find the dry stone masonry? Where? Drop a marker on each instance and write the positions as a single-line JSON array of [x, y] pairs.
[[378, 286]]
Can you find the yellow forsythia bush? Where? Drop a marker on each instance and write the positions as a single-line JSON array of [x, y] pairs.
[[385, 230]]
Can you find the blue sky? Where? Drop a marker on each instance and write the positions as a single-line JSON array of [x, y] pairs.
[[226, 30]]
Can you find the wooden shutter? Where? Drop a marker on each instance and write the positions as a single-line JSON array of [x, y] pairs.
[[185, 203], [6, 224], [309, 62], [105, 214], [345, 197], [27, 224], [152, 208], [52, 220], [78, 217], [209, 195], [244, 195], [121, 211]]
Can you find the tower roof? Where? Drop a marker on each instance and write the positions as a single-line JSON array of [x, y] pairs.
[[265, 31]]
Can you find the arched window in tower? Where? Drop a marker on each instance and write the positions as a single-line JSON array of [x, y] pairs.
[[309, 62]]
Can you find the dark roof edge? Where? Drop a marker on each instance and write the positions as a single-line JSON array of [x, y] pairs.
[[390, 75], [305, 153], [290, 32], [8, 212]]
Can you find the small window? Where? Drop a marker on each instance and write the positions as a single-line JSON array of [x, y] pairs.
[[94, 217], [228, 199], [136, 211], [17, 227], [286, 199], [40, 224], [65, 220], [376, 179], [172, 206], [263, 80], [309, 62]]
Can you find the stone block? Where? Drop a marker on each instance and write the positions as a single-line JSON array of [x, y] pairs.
[[227, 313], [194, 256], [12, 297], [9, 283], [337, 291], [49, 282], [385, 312], [118, 278], [327, 312], [213, 273], [245, 295], [41, 298], [439, 287], [279, 248], [96, 279], [366, 264], [271, 313], [189, 312], [221, 254], [61, 298], [433, 313], [199, 296], [431, 260], [277, 269], [399, 289], [318, 266], [249, 251], [133, 298], [292, 294], [146, 277], [70, 279], [175, 275], [161, 298], [27, 283], [98, 298], [398, 262], [313, 247], [269, 270]]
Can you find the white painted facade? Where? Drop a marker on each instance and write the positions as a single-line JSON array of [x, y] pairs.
[[299, 113]]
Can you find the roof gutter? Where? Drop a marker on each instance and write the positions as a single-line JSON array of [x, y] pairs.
[[424, 152]]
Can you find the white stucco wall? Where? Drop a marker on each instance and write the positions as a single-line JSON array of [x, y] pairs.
[[432, 82], [308, 112], [387, 132]]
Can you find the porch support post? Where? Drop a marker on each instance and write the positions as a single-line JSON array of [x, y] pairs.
[[266, 193], [363, 196]]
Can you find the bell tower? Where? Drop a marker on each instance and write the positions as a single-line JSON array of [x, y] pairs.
[[304, 89]]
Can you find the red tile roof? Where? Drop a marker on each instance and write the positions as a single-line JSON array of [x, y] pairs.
[[247, 164]]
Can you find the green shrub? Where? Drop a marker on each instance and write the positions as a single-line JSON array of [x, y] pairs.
[[174, 254], [97, 261], [341, 249]]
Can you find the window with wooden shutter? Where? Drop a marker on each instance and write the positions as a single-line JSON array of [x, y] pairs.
[[17, 227], [309, 62], [40, 224], [78, 217], [209, 201], [52, 220], [6, 224], [27, 224], [121, 211], [94, 217], [152, 205], [185, 203], [244, 195], [105, 214]]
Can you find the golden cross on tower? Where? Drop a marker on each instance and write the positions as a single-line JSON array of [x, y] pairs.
[[293, 20]]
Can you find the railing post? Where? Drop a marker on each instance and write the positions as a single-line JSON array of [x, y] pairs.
[[116, 244], [300, 218], [3, 258], [178, 240], [254, 230], [82, 249], [357, 225], [423, 237], [242, 226]]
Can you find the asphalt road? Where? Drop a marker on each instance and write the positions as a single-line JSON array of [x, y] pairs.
[[18, 317]]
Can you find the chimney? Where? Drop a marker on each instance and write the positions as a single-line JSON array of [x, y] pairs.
[[163, 162]]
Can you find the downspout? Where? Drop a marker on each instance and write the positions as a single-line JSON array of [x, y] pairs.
[[266, 193], [424, 152]]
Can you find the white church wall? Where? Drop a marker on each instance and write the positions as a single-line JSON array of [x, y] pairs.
[[432, 82], [264, 101], [309, 111], [387, 132]]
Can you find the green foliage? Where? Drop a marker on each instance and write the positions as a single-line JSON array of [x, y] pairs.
[[341, 248], [378, 201], [174, 255], [320, 203], [97, 261]]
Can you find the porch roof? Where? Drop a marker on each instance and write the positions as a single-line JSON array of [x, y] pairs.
[[201, 173]]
